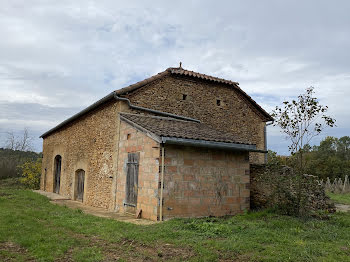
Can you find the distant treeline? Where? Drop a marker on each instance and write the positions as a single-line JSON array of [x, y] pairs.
[[10, 159], [329, 159]]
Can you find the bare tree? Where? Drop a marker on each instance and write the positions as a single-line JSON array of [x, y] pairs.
[[10, 141], [25, 142], [22, 142], [301, 120]]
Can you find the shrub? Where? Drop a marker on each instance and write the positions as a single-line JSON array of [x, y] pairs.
[[31, 172], [288, 192]]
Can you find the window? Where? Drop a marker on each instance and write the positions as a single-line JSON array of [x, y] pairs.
[[218, 102], [184, 96]]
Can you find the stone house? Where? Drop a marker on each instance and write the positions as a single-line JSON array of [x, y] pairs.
[[178, 144]]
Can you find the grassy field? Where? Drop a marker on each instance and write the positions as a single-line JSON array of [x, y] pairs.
[[33, 229], [340, 198]]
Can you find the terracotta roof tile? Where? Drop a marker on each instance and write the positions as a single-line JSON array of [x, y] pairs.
[[170, 71], [183, 72], [171, 127]]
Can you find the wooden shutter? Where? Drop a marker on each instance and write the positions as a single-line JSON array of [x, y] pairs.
[[132, 175]]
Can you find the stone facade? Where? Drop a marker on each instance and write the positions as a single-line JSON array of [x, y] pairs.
[[202, 182], [132, 141], [197, 181], [234, 114], [90, 143]]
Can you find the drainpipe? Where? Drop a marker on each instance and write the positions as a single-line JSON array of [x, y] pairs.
[[107, 98], [154, 111], [265, 135], [161, 186]]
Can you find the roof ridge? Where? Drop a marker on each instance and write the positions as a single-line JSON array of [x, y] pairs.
[[172, 70]]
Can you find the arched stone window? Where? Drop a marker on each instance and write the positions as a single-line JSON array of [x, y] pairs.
[[57, 174]]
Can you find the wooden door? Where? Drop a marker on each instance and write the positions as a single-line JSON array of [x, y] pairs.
[[58, 162], [132, 175], [45, 174], [80, 185]]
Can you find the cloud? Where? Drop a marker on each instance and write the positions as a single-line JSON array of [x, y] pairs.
[[59, 57]]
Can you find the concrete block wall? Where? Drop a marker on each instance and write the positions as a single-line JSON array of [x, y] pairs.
[[131, 141], [202, 182]]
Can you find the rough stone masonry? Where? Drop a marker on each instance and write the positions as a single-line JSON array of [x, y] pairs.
[[198, 181]]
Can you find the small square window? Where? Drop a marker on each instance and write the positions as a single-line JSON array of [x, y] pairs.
[[218, 102], [184, 97]]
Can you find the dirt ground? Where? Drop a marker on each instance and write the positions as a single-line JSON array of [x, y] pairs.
[[10, 251], [342, 208]]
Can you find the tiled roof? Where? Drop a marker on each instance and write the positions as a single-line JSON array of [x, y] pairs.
[[174, 71], [171, 127], [169, 71], [183, 72]]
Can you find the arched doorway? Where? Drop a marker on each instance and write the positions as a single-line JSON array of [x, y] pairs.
[[79, 184], [57, 174]]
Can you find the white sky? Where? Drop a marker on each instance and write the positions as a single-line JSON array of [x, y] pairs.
[[57, 57]]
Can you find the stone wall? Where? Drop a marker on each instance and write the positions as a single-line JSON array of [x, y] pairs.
[[89, 143], [235, 114], [202, 182], [195, 176], [280, 188], [132, 140], [259, 189]]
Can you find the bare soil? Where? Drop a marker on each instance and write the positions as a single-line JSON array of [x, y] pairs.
[[342, 208], [12, 252]]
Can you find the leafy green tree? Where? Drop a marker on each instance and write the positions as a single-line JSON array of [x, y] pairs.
[[343, 147], [329, 159], [276, 160], [328, 147], [301, 120]]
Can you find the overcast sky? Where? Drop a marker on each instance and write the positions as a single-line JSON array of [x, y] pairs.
[[57, 57]]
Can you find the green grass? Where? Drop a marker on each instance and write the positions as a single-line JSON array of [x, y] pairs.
[[340, 198], [32, 227]]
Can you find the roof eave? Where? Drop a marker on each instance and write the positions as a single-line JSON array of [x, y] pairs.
[[211, 144], [137, 85], [130, 88], [194, 142], [81, 113]]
